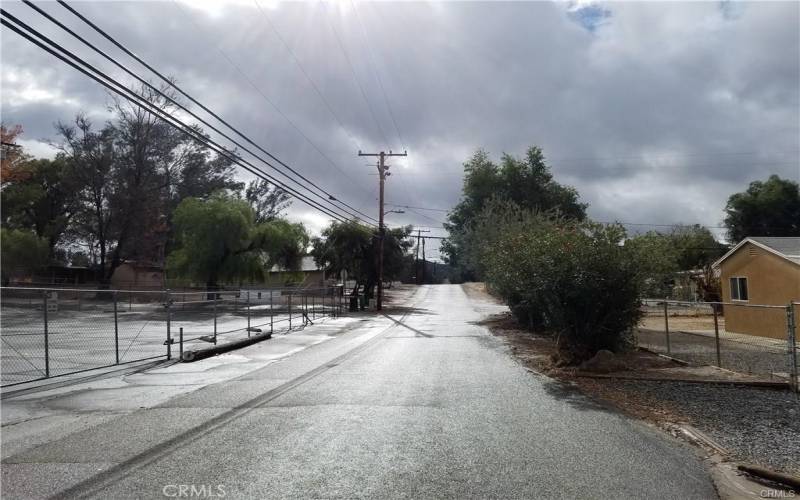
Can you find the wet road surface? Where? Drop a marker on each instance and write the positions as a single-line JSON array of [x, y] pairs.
[[419, 403]]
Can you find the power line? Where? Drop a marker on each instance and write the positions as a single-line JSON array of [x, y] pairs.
[[326, 198], [454, 173], [355, 77], [119, 89], [426, 217], [372, 64], [646, 224], [669, 155], [305, 73], [265, 97], [371, 61], [418, 208]]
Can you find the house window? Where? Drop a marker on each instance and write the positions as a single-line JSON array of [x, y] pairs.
[[738, 288]]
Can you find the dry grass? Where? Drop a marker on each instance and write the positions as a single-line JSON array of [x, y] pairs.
[[682, 323]]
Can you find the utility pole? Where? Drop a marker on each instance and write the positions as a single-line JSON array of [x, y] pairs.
[[423, 261], [383, 172], [416, 256]]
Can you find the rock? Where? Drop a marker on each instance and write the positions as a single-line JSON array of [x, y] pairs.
[[603, 362]]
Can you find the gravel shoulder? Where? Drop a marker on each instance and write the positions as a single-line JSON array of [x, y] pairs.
[[756, 425]]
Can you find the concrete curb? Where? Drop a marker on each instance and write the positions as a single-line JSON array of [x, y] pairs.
[[750, 383], [731, 484], [787, 480], [674, 360], [189, 356], [696, 436]]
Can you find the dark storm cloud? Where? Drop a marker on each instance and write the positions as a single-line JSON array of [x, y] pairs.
[[655, 112]]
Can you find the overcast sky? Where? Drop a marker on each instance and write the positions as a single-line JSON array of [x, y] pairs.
[[655, 112]]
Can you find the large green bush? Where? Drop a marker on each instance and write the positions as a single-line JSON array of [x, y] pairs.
[[572, 279]]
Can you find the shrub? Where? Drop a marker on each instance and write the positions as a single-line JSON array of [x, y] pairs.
[[572, 279]]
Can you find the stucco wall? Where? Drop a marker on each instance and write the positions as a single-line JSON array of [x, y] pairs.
[[771, 280]]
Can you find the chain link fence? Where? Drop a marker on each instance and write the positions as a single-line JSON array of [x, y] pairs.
[[51, 332], [748, 338]]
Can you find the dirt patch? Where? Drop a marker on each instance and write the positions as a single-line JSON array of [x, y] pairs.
[[539, 353]]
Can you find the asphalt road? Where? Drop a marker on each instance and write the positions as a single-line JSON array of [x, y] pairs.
[[418, 403]]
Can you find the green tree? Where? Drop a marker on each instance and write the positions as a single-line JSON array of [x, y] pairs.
[[267, 200], [689, 249], [22, 252], [697, 247], [352, 246], [42, 197], [766, 208], [526, 182], [658, 260], [219, 240], [130, 176]]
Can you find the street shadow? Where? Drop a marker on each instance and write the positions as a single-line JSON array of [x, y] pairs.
[[417, 333], [406, 310]]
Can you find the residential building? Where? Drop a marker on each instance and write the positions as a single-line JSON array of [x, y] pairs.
[[760, 271]]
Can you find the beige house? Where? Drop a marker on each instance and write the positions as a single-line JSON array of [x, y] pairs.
[[765, 271], [308, 276]]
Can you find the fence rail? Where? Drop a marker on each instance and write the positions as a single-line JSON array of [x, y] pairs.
[[758, 339], [52, 332]]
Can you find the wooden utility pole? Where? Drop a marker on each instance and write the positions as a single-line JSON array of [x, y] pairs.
[[416, 256], [383, 172], [423, 261]]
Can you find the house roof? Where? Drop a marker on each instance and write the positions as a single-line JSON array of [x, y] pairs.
[[307, 264], [785, 247]]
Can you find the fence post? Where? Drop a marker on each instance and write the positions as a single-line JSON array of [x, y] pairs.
[[313, 307], [271, 312], [46, 339], [248, 314], [215, 316], [716, 333], [290, 310], [169, 325], [666, 323], [790, 327], [180, 343], [116, 329]]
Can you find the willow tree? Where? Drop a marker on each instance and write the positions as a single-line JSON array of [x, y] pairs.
[[218, 240]]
